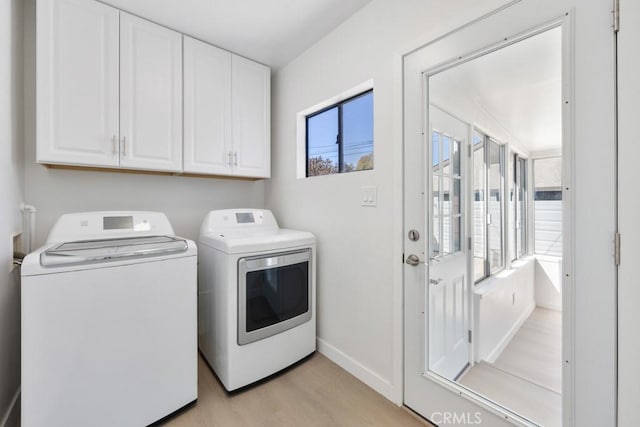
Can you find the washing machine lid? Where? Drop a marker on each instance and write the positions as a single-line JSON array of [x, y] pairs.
[[103, 250]]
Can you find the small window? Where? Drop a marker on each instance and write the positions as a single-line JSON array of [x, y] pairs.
[[339, 138]]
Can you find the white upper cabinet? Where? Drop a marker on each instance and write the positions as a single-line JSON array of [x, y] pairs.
[[207, 108], [251, 98], [77, 83], [226, 113], [150, 95], [110, 92]]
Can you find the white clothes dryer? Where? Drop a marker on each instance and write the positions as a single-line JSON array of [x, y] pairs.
[[256, 295], [109, 333]]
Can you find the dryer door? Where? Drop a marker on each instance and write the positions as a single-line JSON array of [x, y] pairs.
[[274, 294]]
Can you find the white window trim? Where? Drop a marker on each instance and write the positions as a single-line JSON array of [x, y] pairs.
[[514, 152], [301, 123], [505, 220]]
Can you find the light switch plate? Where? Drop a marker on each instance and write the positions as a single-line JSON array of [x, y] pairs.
[[369, 196]]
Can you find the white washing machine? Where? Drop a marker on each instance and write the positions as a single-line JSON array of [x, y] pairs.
[[256, 295], [109, 312]]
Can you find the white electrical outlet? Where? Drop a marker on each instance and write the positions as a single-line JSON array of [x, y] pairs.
[[369, 196]]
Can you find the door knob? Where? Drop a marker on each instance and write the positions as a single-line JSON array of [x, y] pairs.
[[412, 260]]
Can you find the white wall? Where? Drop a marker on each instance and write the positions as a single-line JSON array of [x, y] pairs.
[[502, 303], [548, 282], [359, 249], [185, 200], [11, 191], [629, 206]]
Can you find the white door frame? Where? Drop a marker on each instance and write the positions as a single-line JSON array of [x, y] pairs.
[[628, 207], [588, 119]]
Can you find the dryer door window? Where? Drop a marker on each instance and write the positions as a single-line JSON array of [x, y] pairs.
[[274, 294]]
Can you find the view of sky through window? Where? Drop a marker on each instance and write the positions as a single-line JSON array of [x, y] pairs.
[[357, 119], [340, 139]]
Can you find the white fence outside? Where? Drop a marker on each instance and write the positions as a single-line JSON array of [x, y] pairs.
[[548, 227]]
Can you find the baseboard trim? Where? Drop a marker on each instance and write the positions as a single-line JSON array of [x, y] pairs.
[[554, 307], [504, 342], [361, 372], [12, 410]]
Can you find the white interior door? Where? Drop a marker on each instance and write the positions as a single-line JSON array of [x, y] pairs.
[[589, 280], [448, 306]]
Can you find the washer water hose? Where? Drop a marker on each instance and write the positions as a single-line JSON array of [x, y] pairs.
[[30, 211]]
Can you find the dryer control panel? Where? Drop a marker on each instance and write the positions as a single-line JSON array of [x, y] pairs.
[[238, 219], [249, 217]]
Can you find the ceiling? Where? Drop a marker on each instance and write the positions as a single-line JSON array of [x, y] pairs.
[[272, 32], [518, 87]]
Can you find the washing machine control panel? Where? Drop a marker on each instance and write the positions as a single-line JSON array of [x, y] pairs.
[[109, 224]]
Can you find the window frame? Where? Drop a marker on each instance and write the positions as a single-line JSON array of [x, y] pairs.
[[487, 140], [339, 138], [520, 236], [455, 244], [476, 147], [301, 129], [501, 203]]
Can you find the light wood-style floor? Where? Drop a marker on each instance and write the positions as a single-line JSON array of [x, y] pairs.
[[315, 392], [535, 352], [527, 376]]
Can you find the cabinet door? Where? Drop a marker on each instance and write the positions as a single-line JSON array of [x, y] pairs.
[[207, 108], [251, 93], [150, 95], [77, 83]]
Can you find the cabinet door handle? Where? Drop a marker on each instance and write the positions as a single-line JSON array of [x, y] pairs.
[[124, 146], [114, 140], [230, 154], [235, 158]]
